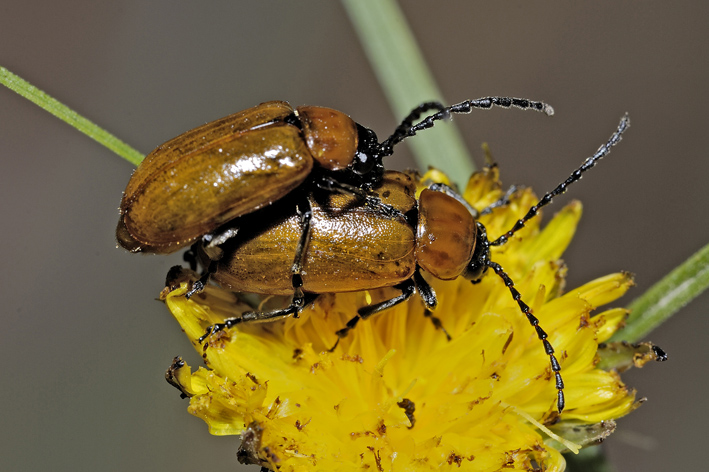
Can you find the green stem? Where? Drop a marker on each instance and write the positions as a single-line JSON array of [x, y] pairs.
[[66, 114], [402, 72], [666, 297]]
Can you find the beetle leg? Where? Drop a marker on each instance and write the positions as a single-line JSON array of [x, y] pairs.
[[407, 287], [426, 292], [436, 322], [330, 184], [300, 299], [502, 201], [199, 284], [297, 267], [428, 295], [190, 257], [260, 316], [218, 238]]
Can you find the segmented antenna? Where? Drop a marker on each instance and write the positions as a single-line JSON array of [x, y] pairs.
[[545, 200], [541, 334], [575, 175], [406, 129]]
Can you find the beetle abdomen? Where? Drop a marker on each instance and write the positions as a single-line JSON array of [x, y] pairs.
[[341, 255], [351, 247], [202, 191]]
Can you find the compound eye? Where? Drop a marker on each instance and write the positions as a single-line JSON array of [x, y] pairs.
[[364, 163]]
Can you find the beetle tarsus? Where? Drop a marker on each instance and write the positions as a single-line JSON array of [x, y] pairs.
[[436, 322], [197, 287], [261, 316], [502, 201], [332, 349], [373, 201], [407, 287]]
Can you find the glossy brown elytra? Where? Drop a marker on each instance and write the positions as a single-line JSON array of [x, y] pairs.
[[192, 185], [341, 244]]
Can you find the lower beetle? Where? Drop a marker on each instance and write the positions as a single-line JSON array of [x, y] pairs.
[[339, 245], [193, 184]]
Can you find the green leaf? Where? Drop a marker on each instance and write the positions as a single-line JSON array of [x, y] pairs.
[[69, 116]]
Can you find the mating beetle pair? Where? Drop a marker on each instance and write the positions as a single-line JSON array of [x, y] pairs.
[[346, 225], [206, 177]]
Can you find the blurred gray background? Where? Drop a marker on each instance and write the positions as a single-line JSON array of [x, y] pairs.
[[83, 343]]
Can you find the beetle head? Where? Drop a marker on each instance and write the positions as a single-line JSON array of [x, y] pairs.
[[368, 155]]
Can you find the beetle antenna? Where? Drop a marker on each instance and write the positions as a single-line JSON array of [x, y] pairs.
[[534, 321], [575, 175], [406, 129], [401, 131]]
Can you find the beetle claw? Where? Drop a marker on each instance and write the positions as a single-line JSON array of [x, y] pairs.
[[197, 286]]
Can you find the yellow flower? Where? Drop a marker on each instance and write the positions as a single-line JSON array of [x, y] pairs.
[[396, 394]]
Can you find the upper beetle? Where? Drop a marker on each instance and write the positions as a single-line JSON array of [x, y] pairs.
[[195, 183]]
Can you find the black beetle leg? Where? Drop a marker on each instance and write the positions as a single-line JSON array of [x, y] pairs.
[[300, 250], [190, 257], [332, 185], [199, 284], [502, 201], [425, 290], [429, 300], [261, 316], [407, 287], [300, 299]]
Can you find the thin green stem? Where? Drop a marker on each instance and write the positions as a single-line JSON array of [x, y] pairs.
[[666, 297], [402, 72], [66, 114]]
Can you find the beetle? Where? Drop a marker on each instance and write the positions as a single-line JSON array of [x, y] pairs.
[[193, 184], [342, 245]]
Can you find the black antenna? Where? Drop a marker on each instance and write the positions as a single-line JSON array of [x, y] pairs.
[[575, 175], [541, 334], [406, 129], [545, 200]]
